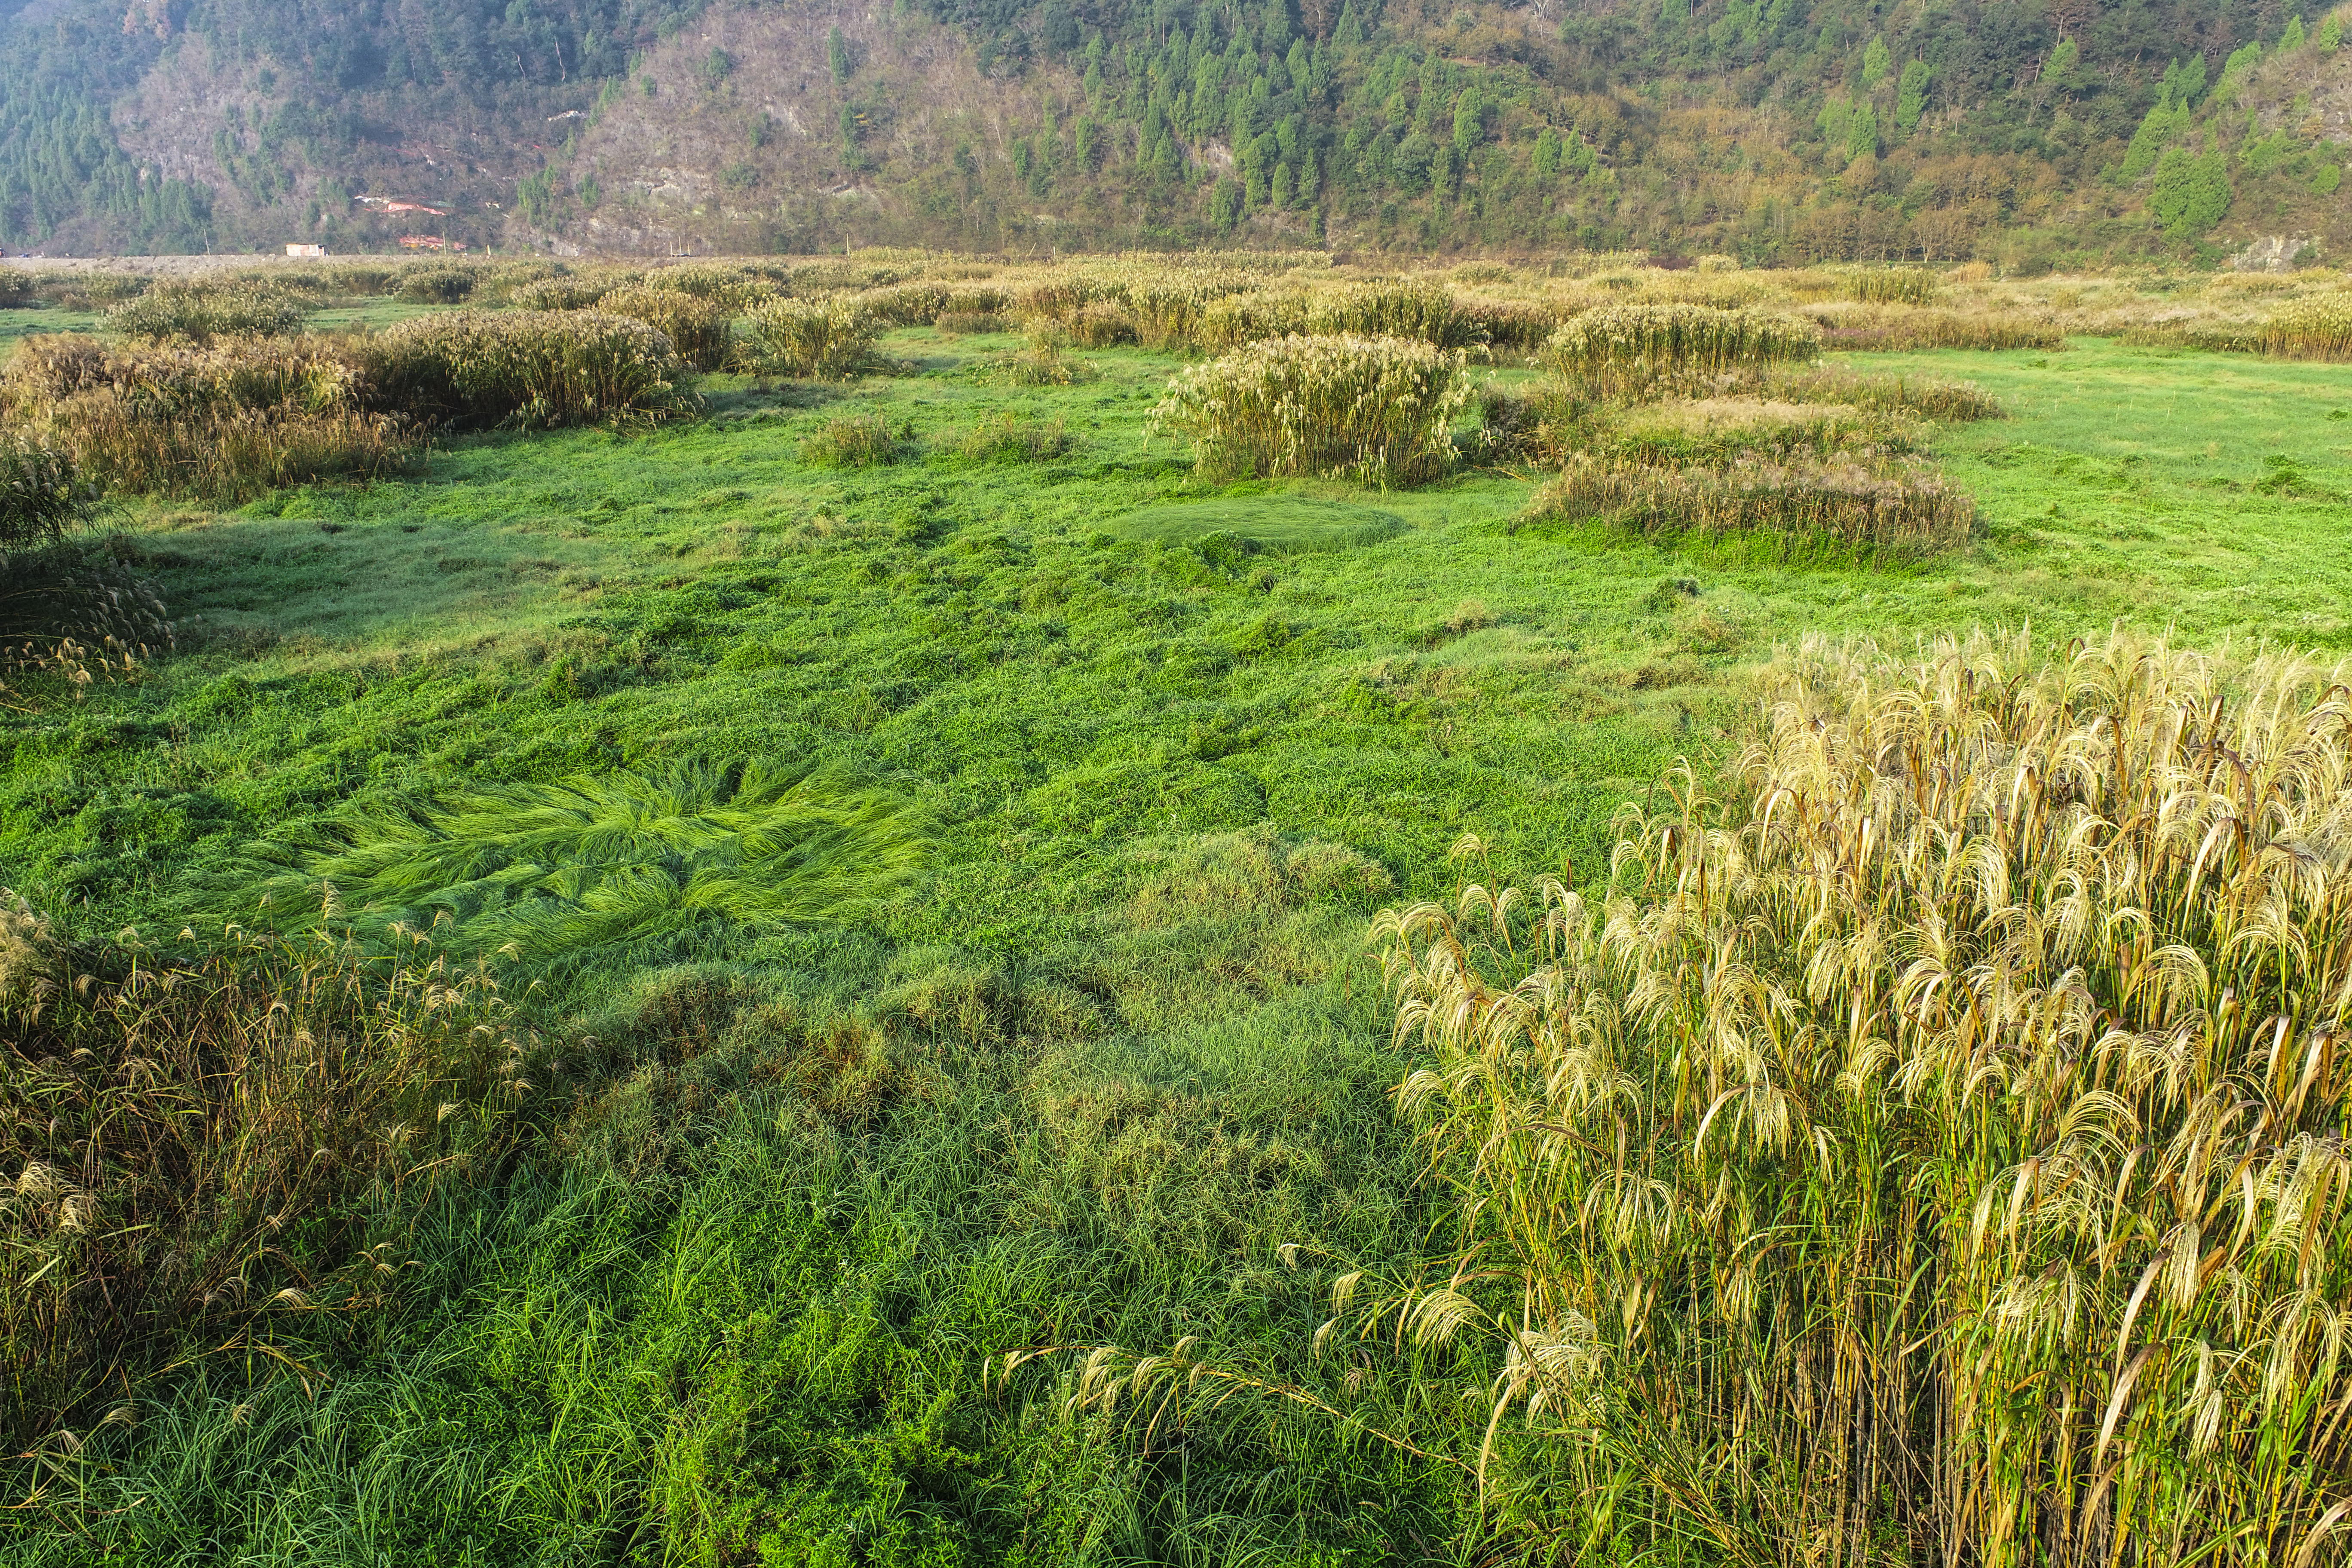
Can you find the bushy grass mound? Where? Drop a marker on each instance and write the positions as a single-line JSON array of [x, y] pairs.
[[438, 283], [1373, 410], [2318, 327], [826, 339], [701, 330], [1686, 431], [1930, 1131], [853, 441], [1892, 286], [1627, 351], [222, 422], [201, 311], [528, 370], [1850, 498], [42, 493], [199, 1150]]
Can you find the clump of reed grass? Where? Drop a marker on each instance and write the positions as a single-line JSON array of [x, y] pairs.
[[702, 330], [1394, 308], [221, 422], [1009, 438], [437, 283], [1910, 331], [1375, 409], [42, 493], [201, 311], [960, 324], [1857, 499], [855, 441], [1927, 1131], [2318, 326], [1102, 325], [196, 1149], [1892, 286], [527, 370], [1929, 397], [1043, 362], [1632, 352], [625, 862], [573, 291], [18, 290], [1685, 432], [734, 288], [826, 339]]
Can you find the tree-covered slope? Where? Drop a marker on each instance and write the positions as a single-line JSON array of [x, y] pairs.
[[1782, 130]]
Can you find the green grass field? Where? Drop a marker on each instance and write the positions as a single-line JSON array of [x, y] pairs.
[[1172, 747]]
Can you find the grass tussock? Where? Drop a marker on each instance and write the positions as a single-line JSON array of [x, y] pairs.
[[1966, 1059], [1913, 331], [42, 493], [855, 441], [197, 1150], [198, 312], [1857, 500], [437, 283], [1714, 430], [701, 330], [1928, 397], [1379, 410], [1010, 439], [2319, 327], [1631, 352], [826, 339], [1044, 362], [1892, 286], [527, 370]]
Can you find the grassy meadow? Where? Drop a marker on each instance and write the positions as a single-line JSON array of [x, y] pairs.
[[1118, 1068]]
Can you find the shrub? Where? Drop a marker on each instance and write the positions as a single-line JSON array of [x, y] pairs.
[[201, 312], [1008, 438], [856, 441], [2319, 327], [437, 283], [42, 493], [198, 1148], [527, 370], [1892, 286], [1376, 409], [826, 339], [701, 330], [1931, 1133], [1639, 351], [1847, 499]]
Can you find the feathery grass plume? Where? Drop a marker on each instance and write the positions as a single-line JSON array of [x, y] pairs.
[[1375, 409], [628, 861], [194, 1148], [1009, 438], [200, 310], [826, 339], [1929, 1135], [1892, 286], [527, 370], [855, 441], [1858, 500], [42, 493], [1631, 352], [2316, 327], [701, 330]]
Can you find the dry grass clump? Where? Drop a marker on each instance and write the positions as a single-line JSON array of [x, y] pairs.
[[1043, 363], [1899, 331], [2318, 327], [222, 423], [1931, 1134], [437, 283], [18, 290], [200, 310], [1632, 352], [1375, 409], [701, 330], [1394, 308], [1009, 438], [527, 370], [735, 288], [573, 291], [963, 323], [1857, 500], [826, 339], [1929, 397], [194, 1148], [1892, 286], [854, 441], [1710, 430]]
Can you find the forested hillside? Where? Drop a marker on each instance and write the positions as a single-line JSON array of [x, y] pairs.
[[2024, 133]]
